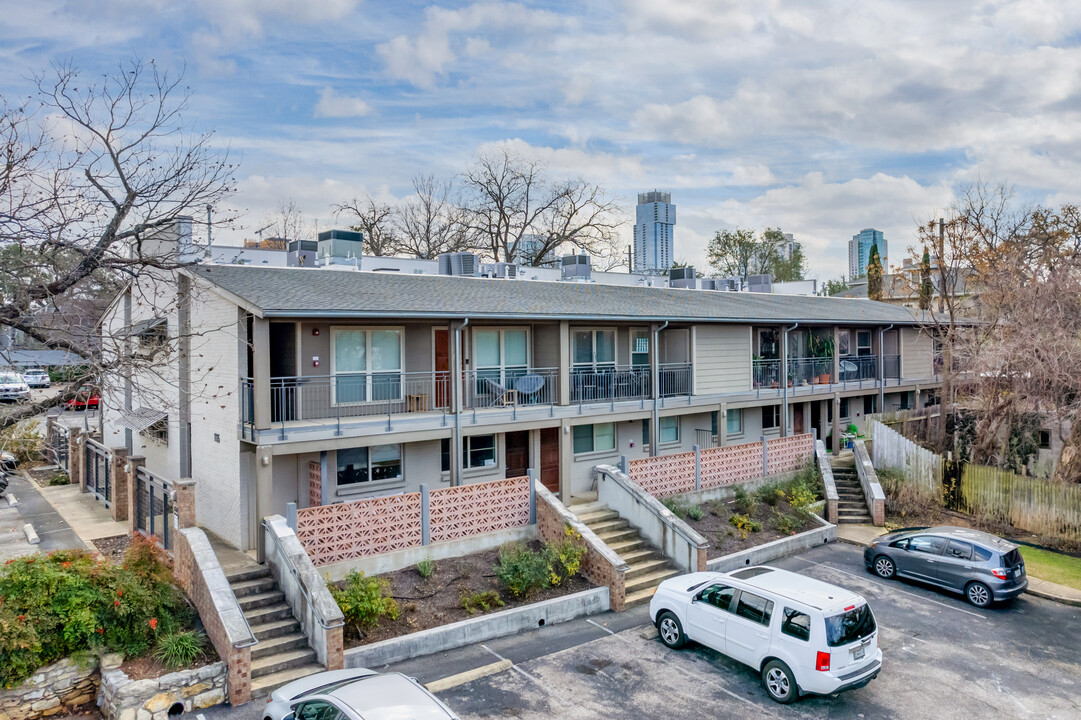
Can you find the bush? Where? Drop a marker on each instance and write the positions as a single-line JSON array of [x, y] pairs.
[[69, 602], [564, 557], [745, 524], [363, 601], [426, 567], [770, 494], [521, 570], [180, 649], [695, 512], [483, 601], [746, 503], [58, 478], [904, 498], [675, 506], [788, 523], [23, 439]]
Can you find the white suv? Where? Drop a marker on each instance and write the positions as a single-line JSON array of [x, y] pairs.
[[802, 635]]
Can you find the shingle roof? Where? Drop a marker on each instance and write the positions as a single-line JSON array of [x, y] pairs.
[[299, 292]]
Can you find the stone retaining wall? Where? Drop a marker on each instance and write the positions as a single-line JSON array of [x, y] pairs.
[[53, 690], [125, 699]]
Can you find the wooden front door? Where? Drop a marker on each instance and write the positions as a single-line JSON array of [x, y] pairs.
[[442, 367], [797, 419], [517, 453], [549, 459]]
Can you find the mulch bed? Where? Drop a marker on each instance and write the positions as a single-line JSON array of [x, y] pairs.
[[41, 475], [112, 548], [724, 539], [430, 602], [147, 666]]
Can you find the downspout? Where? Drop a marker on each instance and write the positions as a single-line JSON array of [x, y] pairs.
[[655, 430], [456, 451], [882, 368], [784, 379]]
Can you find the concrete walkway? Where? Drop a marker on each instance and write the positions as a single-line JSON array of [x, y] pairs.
[[864, 535], [54, 530], [13, 542], [86, 516]]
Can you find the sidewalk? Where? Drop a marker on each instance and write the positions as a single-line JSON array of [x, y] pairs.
[[864, 535], [66, 507], [54, 530]]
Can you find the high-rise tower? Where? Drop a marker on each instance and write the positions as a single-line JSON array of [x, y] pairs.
[[654, 221]]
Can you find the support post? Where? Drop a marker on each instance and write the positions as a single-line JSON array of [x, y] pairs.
[[121, 483], [425, 515], [624, 465], [697, 469], [184, 505], [765, 456], [77, 457], [291, 516], [836, 424], [532, 473], [261, 373], [134, 463], [264, 493]]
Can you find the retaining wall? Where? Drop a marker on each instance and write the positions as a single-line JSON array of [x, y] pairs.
[[53, 690], [152, 699]]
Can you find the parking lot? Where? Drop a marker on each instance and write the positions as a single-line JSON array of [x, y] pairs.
[[942, 659]]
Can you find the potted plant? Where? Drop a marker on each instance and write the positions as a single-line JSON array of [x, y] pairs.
[[822, 349]]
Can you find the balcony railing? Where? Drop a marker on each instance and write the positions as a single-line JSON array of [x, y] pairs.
[[852, 368], [674, 379], [766, 373], [801, 371], [357, 395], [507, 387], [891, 365], [610, 383]]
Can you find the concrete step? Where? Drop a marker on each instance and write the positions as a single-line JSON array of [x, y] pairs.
[[854, 520], [633, 556], [246, 572], [275, 628], [258, 600], [277, 662], [641, 597], [268, 613], [279, 644], [624, 533], [843, 511], [842, 503], [584, 497], [263, 686], [253, 587], [620, 546], [601, 514], [640, 568], [650, 580], [607, 526]]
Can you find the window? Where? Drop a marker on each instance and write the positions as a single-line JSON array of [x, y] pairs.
[[594, 438], [754, 608], [645, 433], [159, 431], [639, 348], [713, 423], [478, 451], [796, 624], [1045, 439], [959, 550], [366, 464], [851, 626], [501, 355], [366, 363], [444, 455], [981, 554], [594, 348], [316, 710], [869, 404], [153, 335], [844, 407], [719, 596], [927, 544], [771, 417], [734, 421], [843, 347], [669, 430], [863, 342], [768, 344]]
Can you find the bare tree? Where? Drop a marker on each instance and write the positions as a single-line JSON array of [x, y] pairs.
[[430, 222], [375, 221], [93, 171], [287, 221]]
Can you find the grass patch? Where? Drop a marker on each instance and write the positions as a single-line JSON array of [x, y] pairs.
[[1053, 567]]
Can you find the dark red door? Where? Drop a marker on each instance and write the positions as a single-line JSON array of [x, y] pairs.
[[442, 368], [517, 453], [797, 419], [549, 459]]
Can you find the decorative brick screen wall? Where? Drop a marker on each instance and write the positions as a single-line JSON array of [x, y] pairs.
[[333, 533], [458, 512], [731, 464], [315, 484], [665, 474], [789, 453]]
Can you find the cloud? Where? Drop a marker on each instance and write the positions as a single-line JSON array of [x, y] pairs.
[[335, 105]]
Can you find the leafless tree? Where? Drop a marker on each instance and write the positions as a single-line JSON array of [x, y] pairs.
[[431, 222], [287, 221], [93, 171], [375, 221]]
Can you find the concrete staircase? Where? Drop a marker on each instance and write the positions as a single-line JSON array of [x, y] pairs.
[[851, 503], [649, 566]]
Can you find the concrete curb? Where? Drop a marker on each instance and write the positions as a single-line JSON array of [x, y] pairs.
[[31, 534], [826, 532], [474, 630], [1028, 591]]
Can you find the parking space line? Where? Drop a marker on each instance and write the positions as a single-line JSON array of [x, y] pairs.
[[599, 626], [897, 589], [514, 667]]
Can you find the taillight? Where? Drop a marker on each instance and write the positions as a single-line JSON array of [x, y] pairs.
[[1000, 573], [822, 662]]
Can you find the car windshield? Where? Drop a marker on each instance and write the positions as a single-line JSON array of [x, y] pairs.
[[10, 378], [849, 627]]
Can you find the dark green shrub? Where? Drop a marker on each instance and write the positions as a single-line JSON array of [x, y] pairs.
[[770, 494], [426, 567], [58, 478], [363, 601], [180, 649], [564, 557], [483, 601], [746, 503], [675, 506], [521, 570], [695, 512]]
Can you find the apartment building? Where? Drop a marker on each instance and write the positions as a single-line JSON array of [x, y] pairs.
[[321, 385]]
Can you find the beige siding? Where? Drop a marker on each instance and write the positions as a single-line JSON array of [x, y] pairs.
[[418, 348], [916, 352], [722, 360], [546, 346]]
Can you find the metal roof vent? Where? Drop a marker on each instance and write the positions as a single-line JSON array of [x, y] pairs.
[[499, 270]]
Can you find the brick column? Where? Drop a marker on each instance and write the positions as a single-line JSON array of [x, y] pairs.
[[335, 648], [239, 662], [185, 503], [121, 483], [77, 454], [134, 463]]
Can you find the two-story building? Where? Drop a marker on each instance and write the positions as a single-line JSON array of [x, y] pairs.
[[321, 385]]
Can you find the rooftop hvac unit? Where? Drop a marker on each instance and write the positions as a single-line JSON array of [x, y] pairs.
[[710, 284], [733, 284], [499, 270], [462, 263], [575, 267], [682, 277], [759, 283]]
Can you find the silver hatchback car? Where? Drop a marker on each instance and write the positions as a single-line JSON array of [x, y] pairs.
[[983, 567]]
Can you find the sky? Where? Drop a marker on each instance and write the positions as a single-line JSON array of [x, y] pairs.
[[818, 118]]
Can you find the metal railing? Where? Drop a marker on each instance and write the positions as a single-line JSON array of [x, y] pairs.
[[98, 471], [323, 397], [705, 439], [674, 379], [291, 568], [857, 367], [247, 407], [891, 366], [154, 507], [766, 373], [510, 387], [610, 383]]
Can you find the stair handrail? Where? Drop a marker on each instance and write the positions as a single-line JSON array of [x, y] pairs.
[[292, 568], [828, 482]]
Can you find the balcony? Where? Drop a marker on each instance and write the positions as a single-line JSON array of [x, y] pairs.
[[854, 368], [610, 383], [674, 379], [891, 365], [801, 371], [510, 387]]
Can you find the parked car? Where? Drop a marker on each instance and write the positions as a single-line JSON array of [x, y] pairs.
[[8, 461], [86, 398], [356, 694], [37, 378], [13, 388], [979, 565], [802, 636]]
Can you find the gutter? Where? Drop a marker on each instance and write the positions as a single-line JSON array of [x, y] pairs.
[[458, 370], [882, 367], [784, 380], [655, 430]]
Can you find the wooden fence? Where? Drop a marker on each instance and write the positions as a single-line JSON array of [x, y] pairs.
[[918, 424], [890, 449], [1040, 506]]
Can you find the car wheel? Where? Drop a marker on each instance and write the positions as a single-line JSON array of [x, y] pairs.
[[884, 567], [670, 630], [779, 682], [978, 594]]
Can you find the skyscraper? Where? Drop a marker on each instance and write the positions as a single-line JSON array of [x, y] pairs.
[[859, 251], [654, 220]]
